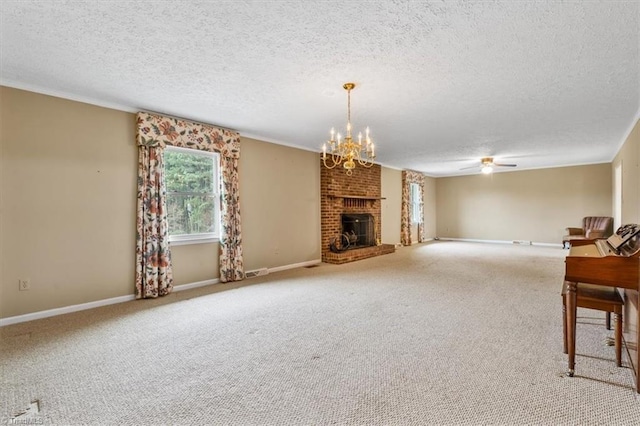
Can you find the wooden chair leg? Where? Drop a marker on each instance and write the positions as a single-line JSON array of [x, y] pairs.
[[591, 298], [618, 338], [564, 326]]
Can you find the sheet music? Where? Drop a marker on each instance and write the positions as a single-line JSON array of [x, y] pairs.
[[623, 235], [605, 248]]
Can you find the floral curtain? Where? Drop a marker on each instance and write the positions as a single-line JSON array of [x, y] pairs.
[[409, 177], [231, 267], [159, 131], [153, 257]]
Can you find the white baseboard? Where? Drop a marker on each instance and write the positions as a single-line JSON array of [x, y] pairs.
[[471, 240], [547, 244], [295, 265], [65, 310], [413, 243], [120, 299], [196, 284]]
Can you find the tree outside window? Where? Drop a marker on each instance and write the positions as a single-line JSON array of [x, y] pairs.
[[192, 182]]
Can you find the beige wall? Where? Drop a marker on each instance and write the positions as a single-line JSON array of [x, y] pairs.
[[391, 190], [193, 263], [430, 212], [68, 202], [629, 156], [533, 205], [279, 204]]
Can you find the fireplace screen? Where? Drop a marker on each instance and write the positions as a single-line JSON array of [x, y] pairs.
[[359, 230]]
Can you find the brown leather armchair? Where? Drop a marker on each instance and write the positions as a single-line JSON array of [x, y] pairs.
[[592, 227]]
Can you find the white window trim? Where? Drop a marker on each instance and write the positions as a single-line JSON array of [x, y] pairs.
[[183, 240], [206, 238]]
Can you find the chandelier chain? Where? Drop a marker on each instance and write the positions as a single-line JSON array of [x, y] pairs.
[[349, 112]]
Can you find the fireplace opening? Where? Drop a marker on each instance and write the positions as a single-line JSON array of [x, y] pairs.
[[359, 229]]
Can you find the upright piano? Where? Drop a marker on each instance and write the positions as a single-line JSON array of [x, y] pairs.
[[613, 262]]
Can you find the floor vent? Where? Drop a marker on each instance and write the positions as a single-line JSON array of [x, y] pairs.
[[522, 242], [315, 265], [257, 273]]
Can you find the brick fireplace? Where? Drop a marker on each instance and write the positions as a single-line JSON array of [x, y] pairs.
[[347, 203]]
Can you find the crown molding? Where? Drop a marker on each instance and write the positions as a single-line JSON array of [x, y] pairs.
[[66, 95]]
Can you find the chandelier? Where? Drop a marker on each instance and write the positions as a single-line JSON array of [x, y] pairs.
[[347, 152]]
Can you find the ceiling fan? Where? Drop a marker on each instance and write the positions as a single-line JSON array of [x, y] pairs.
[[486, 165]]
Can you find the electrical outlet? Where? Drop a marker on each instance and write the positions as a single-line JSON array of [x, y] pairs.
[[24, 284]]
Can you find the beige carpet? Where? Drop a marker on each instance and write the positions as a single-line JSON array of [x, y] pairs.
[[441, 333]]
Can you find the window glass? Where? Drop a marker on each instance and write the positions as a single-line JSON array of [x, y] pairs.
[[191, 178], [415, 203]]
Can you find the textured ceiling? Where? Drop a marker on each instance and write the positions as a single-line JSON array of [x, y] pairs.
[[441, 84]]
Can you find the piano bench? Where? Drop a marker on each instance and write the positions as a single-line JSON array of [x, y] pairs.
[[600, 298]]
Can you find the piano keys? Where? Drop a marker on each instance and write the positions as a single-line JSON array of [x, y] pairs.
[[614, 262]]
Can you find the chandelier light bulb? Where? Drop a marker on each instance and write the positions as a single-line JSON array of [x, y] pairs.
[[487, 170]]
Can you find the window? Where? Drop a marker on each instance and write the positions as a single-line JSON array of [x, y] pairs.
[[416, 200], [193, 195]]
